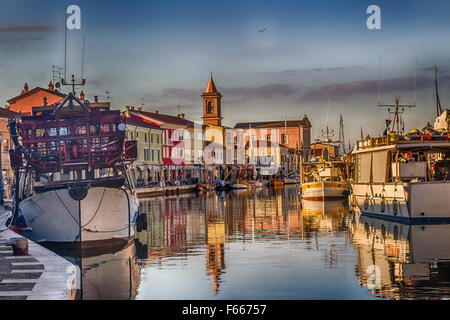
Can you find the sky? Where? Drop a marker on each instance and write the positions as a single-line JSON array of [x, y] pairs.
[[311, 53]]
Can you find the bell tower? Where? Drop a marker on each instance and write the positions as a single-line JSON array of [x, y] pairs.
[[212, 105]]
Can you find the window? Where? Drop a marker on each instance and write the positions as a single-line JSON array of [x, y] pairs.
[[153, 155], [268, 138], [145, 137], [151, 138], [284, 139], [157, 139], [210, 108], [81, 130], [159, 155], [146, 154]]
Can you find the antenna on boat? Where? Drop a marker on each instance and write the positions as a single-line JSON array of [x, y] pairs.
[[82, 57], [73, 82], [438, 101], [379, 83], [397, 112]]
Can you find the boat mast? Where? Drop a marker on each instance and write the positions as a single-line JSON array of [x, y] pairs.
[[397, 112], [438, 101]]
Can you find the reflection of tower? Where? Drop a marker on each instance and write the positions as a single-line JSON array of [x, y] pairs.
[[215, 254]]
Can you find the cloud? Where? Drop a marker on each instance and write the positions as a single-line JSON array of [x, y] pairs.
[[297, 72], [187, 94], [235, 95], [238, 95], [28, 29], [18, 39], [344, 90]]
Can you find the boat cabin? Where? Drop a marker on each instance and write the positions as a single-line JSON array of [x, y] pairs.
[[402, 161]]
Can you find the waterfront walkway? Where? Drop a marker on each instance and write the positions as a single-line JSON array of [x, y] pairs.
[[163, 191], [42, 275]]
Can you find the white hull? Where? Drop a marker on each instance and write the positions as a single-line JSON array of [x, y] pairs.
[[240, 186], [325, 190], [415, 201], [105, 216]]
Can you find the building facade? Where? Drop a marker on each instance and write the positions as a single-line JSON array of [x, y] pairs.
[[172, 141], [146, 168], [38, 96]]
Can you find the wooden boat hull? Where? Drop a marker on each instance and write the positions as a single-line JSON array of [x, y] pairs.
[[325, 190], [108, 216], [276, 183]]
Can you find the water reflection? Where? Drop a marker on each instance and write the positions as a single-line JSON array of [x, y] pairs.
[[107, 274], [209, 224], [398, 261], [265, 244]]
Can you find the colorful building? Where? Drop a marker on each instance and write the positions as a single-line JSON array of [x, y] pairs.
[[38, 96], [173, 158], [146, 169]]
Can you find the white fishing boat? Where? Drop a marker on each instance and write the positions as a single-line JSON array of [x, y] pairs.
[[326, 175], [404, 176], [328, 182], [73, 187], [402, 180], [240, 184]]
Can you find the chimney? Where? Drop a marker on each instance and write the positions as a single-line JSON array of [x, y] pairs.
[[82, 95], [25, 88], [157, 111], [50, 86]]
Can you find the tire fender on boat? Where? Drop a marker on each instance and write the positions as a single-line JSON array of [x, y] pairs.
[[78, 191]]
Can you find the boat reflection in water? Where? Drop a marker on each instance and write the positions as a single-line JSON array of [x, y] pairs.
[[400, 261], [180, 229], [107, 274], [265, 244]]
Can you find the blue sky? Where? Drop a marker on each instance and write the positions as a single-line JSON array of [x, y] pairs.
[[311, 51]]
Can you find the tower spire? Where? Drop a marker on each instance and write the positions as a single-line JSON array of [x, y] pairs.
[[212, 105], [211, 88]]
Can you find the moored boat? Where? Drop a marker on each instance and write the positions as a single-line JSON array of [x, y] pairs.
[[327, 181], [240, 184], [401, 179], [72, 181], [276, 183], [325, 190]]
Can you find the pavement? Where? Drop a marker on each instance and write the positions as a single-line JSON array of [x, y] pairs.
[[42, 275]]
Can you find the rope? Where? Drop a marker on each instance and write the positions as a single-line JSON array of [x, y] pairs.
[[96, 211], [64, 207], [104, 231]]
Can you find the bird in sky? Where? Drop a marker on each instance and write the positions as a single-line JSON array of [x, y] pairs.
[[263, 30]]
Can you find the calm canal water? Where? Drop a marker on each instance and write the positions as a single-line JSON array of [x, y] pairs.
[[265, 244]]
